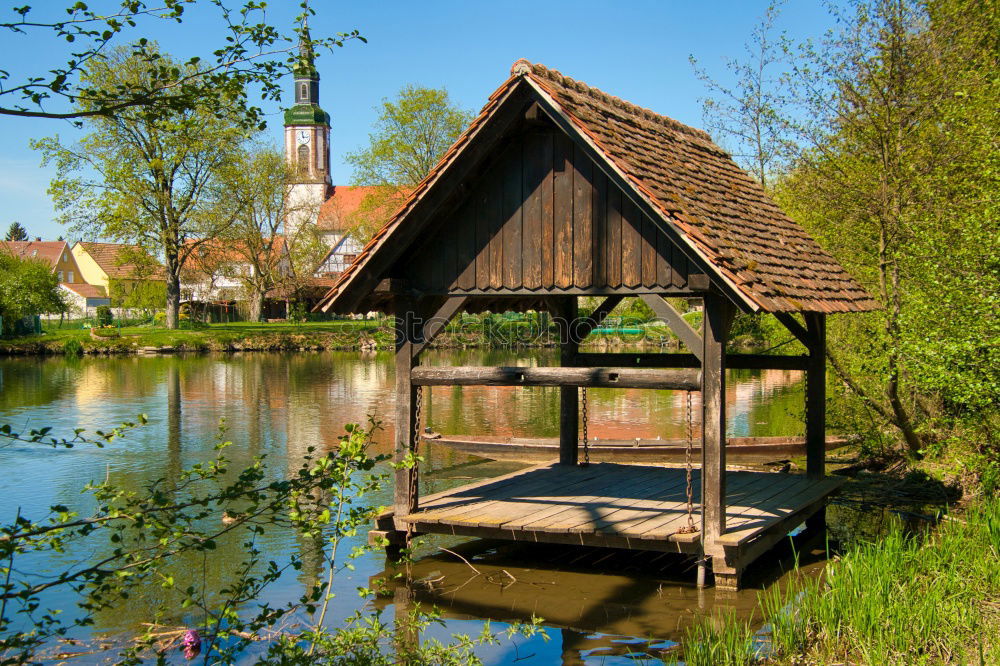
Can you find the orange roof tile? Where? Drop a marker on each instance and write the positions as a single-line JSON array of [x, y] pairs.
[[48, 251], [86, 290], [114, 260]]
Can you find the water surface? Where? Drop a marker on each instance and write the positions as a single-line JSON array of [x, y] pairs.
[[600, 606]]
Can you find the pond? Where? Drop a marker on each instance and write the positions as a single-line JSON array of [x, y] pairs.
[[599, 607]]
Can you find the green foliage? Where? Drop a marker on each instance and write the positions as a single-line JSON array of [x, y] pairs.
[[27, 287], [72, 347], [137, 294], [410, 134], [15, 232], [886, 131], [145, 177], [104, 315], [898, 599], [250, 51], [138, 538]]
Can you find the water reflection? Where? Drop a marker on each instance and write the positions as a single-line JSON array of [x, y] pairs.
[[279, 405]]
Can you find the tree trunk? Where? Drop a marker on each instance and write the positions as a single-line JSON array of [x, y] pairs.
[[173, 287], [256, 305]]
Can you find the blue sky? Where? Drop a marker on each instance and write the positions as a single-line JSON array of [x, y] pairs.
[[636, 49]]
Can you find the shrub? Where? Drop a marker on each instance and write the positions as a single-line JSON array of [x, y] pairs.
[[73, 347], [104, 316], [160, 319]]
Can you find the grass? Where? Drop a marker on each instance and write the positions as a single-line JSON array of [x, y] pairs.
[[346, 334], [901, 599]]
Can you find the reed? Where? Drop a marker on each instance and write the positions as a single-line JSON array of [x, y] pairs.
[[902, 598]]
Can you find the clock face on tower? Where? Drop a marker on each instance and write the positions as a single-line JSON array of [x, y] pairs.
[[303, 136]]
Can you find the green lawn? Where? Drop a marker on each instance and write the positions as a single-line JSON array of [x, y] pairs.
[[217, 337]]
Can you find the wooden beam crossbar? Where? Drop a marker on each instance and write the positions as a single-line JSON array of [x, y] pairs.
[[665, 311], [678, 380], [668, 360]]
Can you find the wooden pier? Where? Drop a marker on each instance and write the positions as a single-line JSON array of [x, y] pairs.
[[558, 191], [635, 507]]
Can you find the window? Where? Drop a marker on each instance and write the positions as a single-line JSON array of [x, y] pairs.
[[60, 276], [304, 157], [71, 277], [65, 258], [303, 91]]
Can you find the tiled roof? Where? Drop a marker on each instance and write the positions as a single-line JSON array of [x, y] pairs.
[[722, 213], [210, 255], [48, 251], [85, 290], [343, 201], [114, 259]]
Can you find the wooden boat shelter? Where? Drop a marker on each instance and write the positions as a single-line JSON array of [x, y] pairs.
[[556, 191]]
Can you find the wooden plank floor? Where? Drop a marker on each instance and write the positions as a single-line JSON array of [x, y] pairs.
[[630, 506]]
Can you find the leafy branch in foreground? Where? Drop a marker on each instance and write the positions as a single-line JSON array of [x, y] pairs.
[[251, 51], [153, 538]]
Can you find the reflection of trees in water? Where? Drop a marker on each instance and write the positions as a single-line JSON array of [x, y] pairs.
[[758, 403]]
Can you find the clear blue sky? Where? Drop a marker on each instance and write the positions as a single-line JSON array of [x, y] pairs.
[[635, 49]]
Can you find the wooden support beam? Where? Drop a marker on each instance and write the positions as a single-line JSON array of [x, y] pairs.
[[565, 310], [717, 315], [794, 327], [657, 360], [678, 380], [665, 311], [436, 323], [405, 498], [581, 328], [816, 396]]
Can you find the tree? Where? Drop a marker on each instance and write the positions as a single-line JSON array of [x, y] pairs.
[[898, 178], [250, 52], [27, 287], [256, 183], [749, 116], [410, 135], [15, 232], [143, 177]]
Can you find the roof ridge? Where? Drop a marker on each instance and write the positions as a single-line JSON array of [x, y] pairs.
[[523, 66]]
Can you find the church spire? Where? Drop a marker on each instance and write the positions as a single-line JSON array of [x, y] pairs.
[[307, 126]]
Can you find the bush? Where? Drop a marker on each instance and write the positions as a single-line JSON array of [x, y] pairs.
[[104, 316], [186, 324], [73, 347], [160, 319]]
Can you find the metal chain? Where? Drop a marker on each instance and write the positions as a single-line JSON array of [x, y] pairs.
[[418, 402], [586, 437], [689, 436]]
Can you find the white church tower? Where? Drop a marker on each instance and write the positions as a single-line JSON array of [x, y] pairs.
[[307, 144]]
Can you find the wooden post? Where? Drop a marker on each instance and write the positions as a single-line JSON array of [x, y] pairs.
[[816, 396], [717, 316], [816, 411], [407, 327], [569, 345]]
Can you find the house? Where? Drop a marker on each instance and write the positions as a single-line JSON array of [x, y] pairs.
[[56, 253], [82, 298], [127, 273], [217, 274]]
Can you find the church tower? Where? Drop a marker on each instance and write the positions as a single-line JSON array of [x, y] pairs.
[[307, 143]]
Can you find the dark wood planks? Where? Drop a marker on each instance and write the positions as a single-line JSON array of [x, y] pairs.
[[543, 216]]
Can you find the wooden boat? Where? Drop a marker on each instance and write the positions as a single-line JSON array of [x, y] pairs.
[[541, 449]]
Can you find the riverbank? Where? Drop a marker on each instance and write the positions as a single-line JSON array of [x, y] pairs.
[[346, 335], [241, 336], [902, 598]]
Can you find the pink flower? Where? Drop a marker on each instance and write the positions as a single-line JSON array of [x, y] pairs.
[[191, 643]]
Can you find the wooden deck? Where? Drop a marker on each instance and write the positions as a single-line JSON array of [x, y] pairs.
[[623, 506]]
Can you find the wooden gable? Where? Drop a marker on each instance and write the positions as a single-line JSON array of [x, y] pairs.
[[542, 218]]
